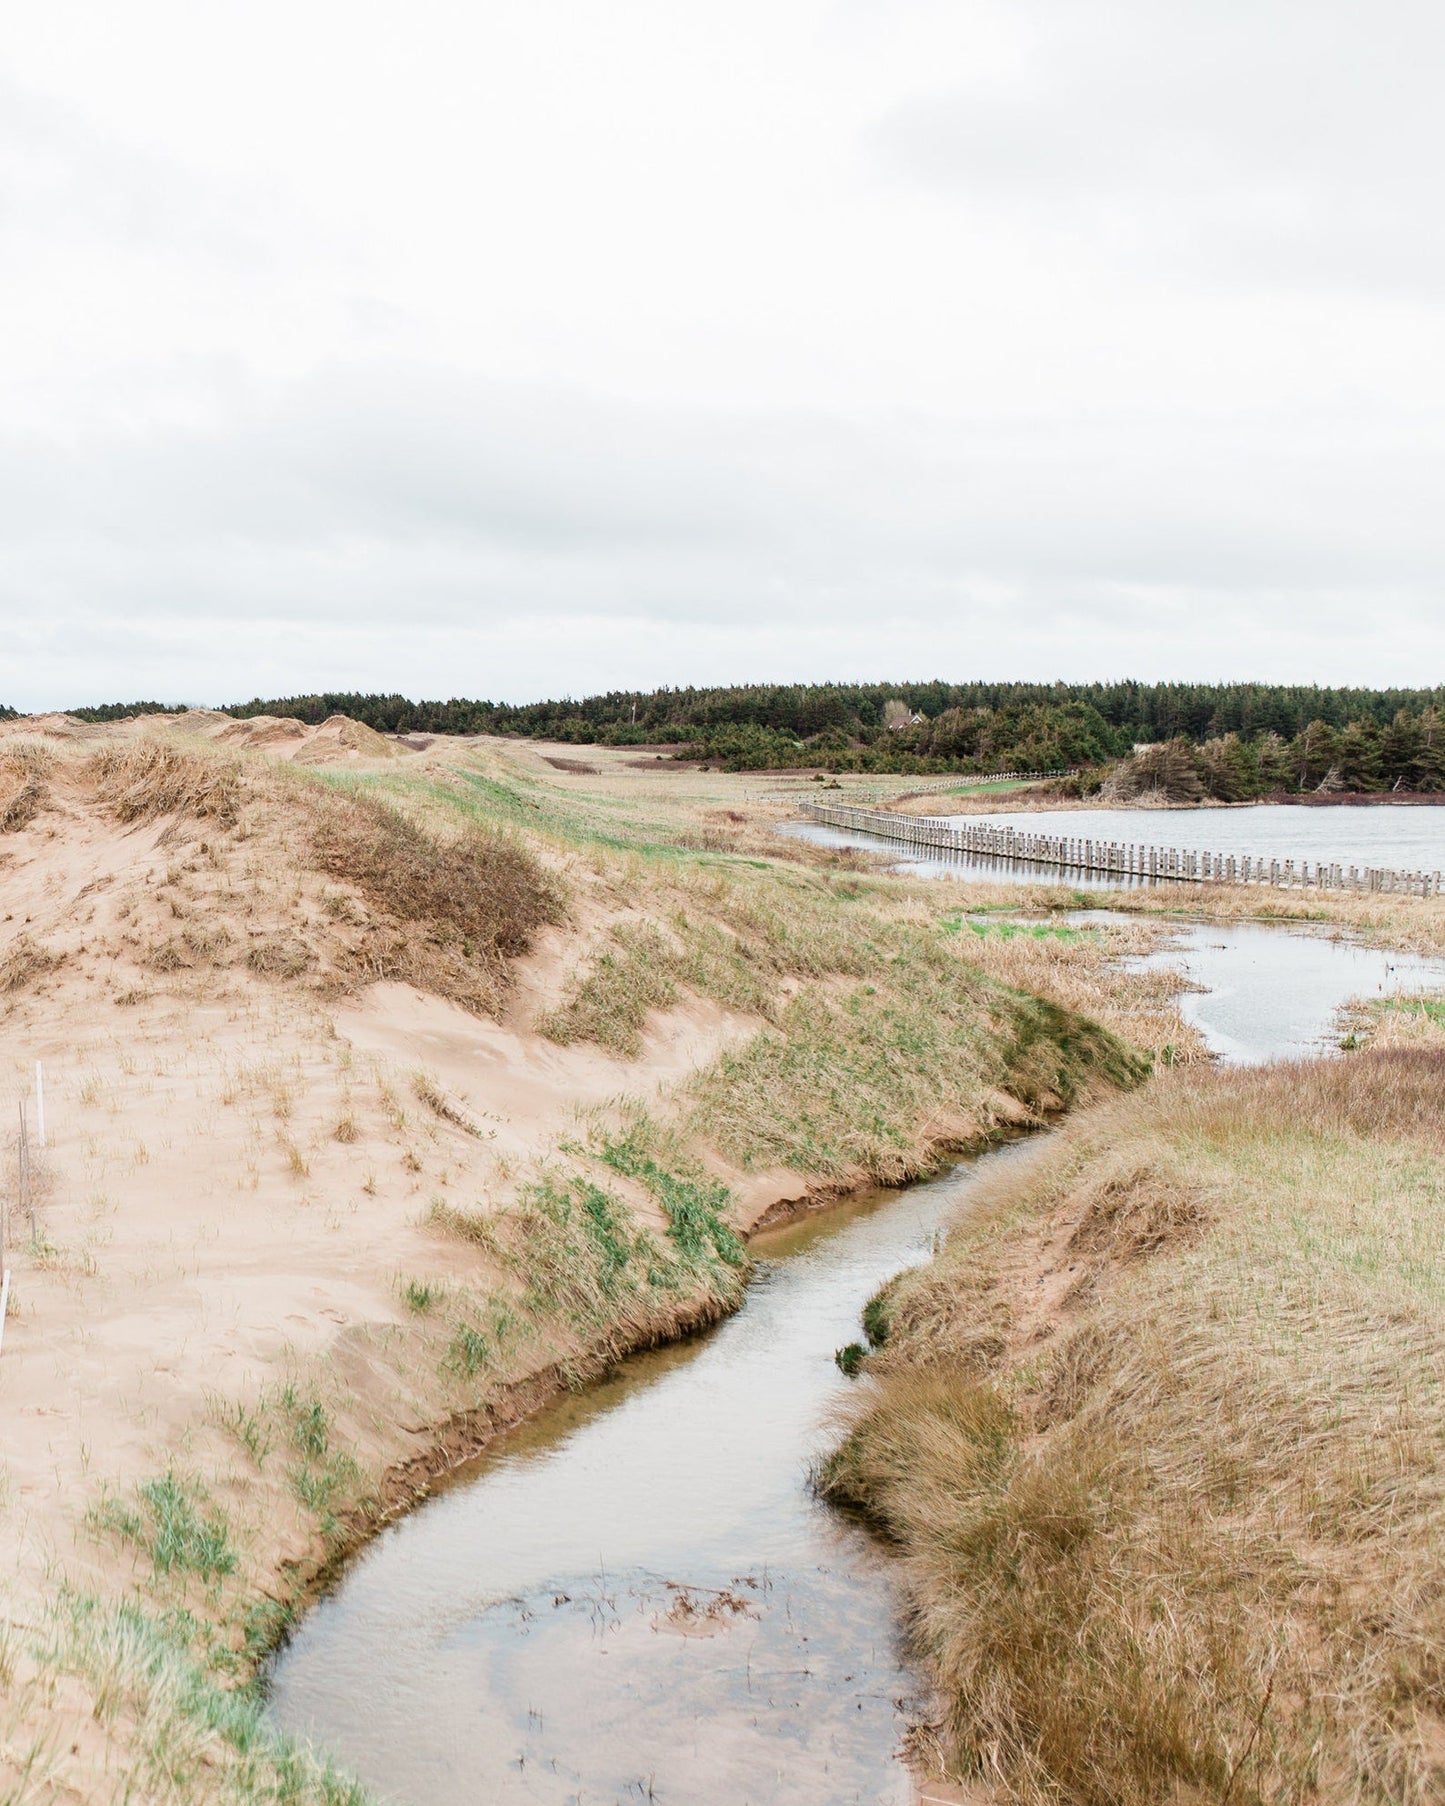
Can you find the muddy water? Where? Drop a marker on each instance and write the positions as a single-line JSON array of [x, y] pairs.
[[635, 1596]]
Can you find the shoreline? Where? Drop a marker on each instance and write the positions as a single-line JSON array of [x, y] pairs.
[[465, 1435]]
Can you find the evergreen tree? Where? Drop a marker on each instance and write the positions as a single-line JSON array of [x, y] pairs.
[[1314, 754], [1428, 771], [1274, 763], [1228, 769], [1400, 749], [1360, 756]]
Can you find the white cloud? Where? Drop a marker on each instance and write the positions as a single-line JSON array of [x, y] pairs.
[[544, 347]]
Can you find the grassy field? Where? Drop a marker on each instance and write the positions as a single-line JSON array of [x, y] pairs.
[[1160, 1439], [387, 1095]]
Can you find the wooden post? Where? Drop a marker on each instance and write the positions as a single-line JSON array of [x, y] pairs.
[[27, 1201]]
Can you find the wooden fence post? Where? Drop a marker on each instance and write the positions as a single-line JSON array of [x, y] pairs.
[[27, 1200]]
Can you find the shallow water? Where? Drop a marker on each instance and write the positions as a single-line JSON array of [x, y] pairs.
[[977, 866], [1274, 994], [1404, 838], [1407, 838], [635, 1596], [520, 1636]]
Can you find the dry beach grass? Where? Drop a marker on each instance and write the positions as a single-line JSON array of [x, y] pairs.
[[1160, 1437]]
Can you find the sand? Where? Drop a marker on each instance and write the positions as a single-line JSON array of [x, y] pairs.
[[201, 1231]]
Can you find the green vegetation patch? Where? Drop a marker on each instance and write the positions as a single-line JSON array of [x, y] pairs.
[[693, 1202], [322, 1478], [190, 1735], [1431, 1008], [578, 1256], [1065, 932], [173, 1521]]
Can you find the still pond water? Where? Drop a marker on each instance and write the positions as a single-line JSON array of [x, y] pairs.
[[1404, 838]]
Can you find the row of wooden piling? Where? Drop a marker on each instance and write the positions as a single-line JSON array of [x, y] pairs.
[[1121, 859]]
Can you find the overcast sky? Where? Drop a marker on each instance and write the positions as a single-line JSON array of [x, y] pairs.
[[514, 348]]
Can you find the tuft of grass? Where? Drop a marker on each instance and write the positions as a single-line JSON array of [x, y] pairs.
[[323, 1477], [420, 1295], [468, 1352], [611, 1003], [296, 1162], [693, 1202], [24, 767], [20, 803], [475, 902], [249, 1425], [172, 1521], [576, 1254], [474, 1226], [184, 1733], [25, 960]]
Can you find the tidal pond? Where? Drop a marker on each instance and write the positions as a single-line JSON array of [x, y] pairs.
[[1403, 838]]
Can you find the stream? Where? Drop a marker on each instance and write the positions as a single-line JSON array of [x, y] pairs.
[[635, 1596]]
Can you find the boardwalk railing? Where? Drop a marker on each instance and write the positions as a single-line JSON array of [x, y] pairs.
[[1119, 859]]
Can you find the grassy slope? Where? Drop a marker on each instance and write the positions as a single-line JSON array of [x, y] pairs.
[[880, 1039], [1161, 1438]]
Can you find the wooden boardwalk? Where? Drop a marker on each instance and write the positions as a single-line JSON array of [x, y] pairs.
[[1118, 859]]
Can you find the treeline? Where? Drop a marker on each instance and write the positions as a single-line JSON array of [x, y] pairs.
[[123, 711], [1407, 753], [1237, 740], [939, 727], [800, 712]]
